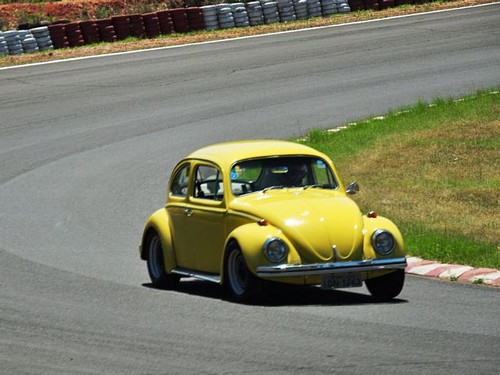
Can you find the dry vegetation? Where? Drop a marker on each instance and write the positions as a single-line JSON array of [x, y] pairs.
[[446, 177]]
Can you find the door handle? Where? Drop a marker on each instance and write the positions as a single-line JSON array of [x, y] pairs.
[[188, 212]]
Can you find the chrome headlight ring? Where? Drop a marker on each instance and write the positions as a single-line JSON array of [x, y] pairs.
[[383, 242], [275, 249]]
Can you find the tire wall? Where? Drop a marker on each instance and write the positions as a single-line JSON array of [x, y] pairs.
[[180, 20]]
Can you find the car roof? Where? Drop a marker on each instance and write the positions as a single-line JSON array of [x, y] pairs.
[[231, 152]]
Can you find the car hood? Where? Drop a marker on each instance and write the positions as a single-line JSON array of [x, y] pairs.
[[315, 221]]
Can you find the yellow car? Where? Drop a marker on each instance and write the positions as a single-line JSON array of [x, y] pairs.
[[244, 214]]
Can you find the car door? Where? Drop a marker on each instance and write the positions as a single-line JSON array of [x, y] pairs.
[[177, 203], [199, 234]]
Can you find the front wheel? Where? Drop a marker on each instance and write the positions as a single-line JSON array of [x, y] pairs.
[[386, 287], [156, 265], [241, 284]]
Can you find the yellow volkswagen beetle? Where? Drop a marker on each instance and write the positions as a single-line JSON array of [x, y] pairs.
[[244, 214]]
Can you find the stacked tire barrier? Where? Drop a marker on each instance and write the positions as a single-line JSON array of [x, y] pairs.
[[286, 10], [137, 28], [240, 15], [4, 49], [328, 7], [106, 30], [314, 8], [300, 7], [166, 22], [121, 25], [270, 11], [151, 25], [356, 5], [16, 42], [28, 41], [343, 6], [90, 32], [42, 36], [225, 16], [57, 34], [210, 17], [255, 15], [180, 20], [195, 19], [13, 42]]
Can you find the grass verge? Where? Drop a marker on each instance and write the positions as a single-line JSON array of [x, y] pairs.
[[434, 170]]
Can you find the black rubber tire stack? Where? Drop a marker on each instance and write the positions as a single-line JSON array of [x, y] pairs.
[[58, 36], [195, 19], [90, 32], [137, 28], [122, 26], [166, 23], [106, 30], [179, 19], [356, 5], [151, 25], [74, 34], [372, 4], [384, 4]]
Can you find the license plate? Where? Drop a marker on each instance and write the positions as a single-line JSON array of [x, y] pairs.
[[351, 280]]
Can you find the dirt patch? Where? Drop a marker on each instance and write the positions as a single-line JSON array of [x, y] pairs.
[[11, 15]]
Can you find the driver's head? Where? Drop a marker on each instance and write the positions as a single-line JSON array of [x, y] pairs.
[[296, 173]]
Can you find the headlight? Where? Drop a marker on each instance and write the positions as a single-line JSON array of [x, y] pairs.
[[275, 249], [383, 242]]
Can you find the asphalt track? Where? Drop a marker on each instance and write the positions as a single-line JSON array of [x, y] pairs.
[[86, 148]]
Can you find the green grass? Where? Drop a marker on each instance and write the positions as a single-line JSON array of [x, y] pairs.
[[434, 169]]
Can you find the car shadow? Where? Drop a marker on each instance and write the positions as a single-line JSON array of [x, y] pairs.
[[283, 295]]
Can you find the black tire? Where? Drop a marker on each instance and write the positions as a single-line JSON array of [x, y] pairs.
[[156, 264], [386, 287], [240, 283]]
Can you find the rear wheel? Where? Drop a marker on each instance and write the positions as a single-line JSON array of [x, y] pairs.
[[156, 265], [241, 284], [386, 287]]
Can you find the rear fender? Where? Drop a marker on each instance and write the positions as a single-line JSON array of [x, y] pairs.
[[159, 222]]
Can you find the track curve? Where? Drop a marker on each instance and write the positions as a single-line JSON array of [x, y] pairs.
[[86, 147]]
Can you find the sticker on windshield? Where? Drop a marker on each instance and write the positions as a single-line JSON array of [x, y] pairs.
[[320, 164], [235, 172]]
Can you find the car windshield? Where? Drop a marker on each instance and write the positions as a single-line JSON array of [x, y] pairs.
[[281, 172]]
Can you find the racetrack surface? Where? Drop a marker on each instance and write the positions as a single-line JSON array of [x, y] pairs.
[[86, 149]]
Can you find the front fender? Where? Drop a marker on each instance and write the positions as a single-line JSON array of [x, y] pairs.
[[159, 222], [251, 237], [373, 224]]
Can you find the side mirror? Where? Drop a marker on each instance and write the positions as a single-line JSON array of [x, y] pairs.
[[353, 188]]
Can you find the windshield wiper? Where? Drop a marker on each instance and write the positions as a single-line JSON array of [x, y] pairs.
[[318, 186], [274, 187]]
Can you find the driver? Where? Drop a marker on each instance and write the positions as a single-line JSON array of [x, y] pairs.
[[295, 175]]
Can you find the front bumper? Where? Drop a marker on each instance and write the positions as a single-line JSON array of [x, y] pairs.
[[331, 268]]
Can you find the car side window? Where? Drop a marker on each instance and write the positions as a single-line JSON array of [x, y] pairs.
[[322, 174], [208, 183], [180, 182]]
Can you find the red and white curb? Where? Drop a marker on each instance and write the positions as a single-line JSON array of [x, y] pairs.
[[455, 272]]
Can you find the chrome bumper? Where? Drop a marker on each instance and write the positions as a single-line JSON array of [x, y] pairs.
[[331, 268]]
